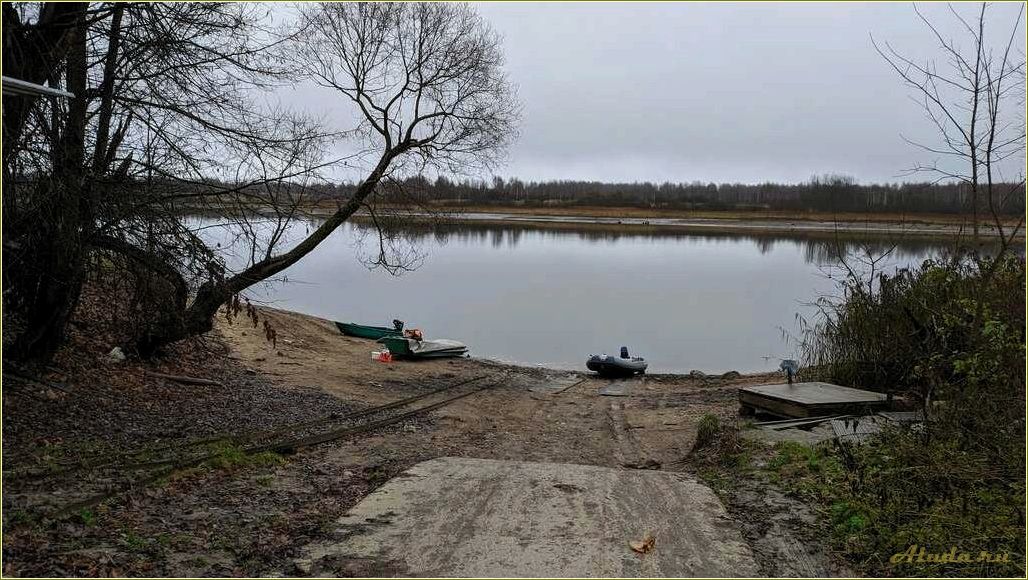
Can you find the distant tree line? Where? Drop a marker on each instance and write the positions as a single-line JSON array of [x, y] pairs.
[[821, 193], [828, 193]]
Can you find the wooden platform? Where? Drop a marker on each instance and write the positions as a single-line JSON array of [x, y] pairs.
[[809, 400]]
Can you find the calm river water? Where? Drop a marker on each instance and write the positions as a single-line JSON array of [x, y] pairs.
[[536, 296]]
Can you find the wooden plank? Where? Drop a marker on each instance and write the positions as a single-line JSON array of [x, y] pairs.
[[188, 380], [857, 429], [556, 386], [774, 406], [575, 384], [791, 423], [810, 399], [815, 393], [903, 416]]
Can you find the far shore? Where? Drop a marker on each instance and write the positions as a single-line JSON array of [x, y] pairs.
[[644, 220], [640, 220], [592, 211]]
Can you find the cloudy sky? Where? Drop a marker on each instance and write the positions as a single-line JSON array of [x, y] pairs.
[[720, 92]]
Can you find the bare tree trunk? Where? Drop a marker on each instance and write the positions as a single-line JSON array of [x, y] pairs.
[[199, 317], [58, 267]]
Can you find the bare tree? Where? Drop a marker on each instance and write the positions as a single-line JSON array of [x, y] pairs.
[[164, 99], [164, 122], [428, 83], [973, 101], [427, 86]]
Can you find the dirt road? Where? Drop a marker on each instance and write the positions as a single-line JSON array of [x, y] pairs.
[[240, 517], [540, 415]]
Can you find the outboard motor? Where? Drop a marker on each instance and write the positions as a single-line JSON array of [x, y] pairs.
[[791, 368], [624, 352], [397, 324]]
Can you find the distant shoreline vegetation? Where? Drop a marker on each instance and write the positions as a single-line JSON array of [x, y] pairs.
[[829, 193], [824, 194]]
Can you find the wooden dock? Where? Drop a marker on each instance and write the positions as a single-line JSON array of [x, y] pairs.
[[809, 400]]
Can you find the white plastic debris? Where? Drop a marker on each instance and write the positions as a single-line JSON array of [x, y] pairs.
[[116, 354]]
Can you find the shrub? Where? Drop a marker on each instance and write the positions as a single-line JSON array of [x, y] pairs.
[[706, 431], [950, 337]]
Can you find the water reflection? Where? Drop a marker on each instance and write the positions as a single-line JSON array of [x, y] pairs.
[[816, 248], [554, 294]]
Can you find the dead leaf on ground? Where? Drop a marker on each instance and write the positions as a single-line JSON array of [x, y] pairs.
[[643, 546]]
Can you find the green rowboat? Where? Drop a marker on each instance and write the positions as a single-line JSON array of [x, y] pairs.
[[372, 332]]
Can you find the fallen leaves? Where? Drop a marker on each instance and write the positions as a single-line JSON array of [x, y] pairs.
[[643, 546]]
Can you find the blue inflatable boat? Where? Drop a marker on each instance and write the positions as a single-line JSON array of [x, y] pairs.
[[623, 365]]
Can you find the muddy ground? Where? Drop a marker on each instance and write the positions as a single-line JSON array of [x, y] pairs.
[[250, 518]]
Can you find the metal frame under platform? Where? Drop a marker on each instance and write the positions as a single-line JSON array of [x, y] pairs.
[[813, 399]]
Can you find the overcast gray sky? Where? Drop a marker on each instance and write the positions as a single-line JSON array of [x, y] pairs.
[[718, 92]]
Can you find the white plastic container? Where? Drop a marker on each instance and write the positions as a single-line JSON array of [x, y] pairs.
[[375, 355]]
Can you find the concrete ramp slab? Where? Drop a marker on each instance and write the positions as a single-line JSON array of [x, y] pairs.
[[485, 518], [615, 389]]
